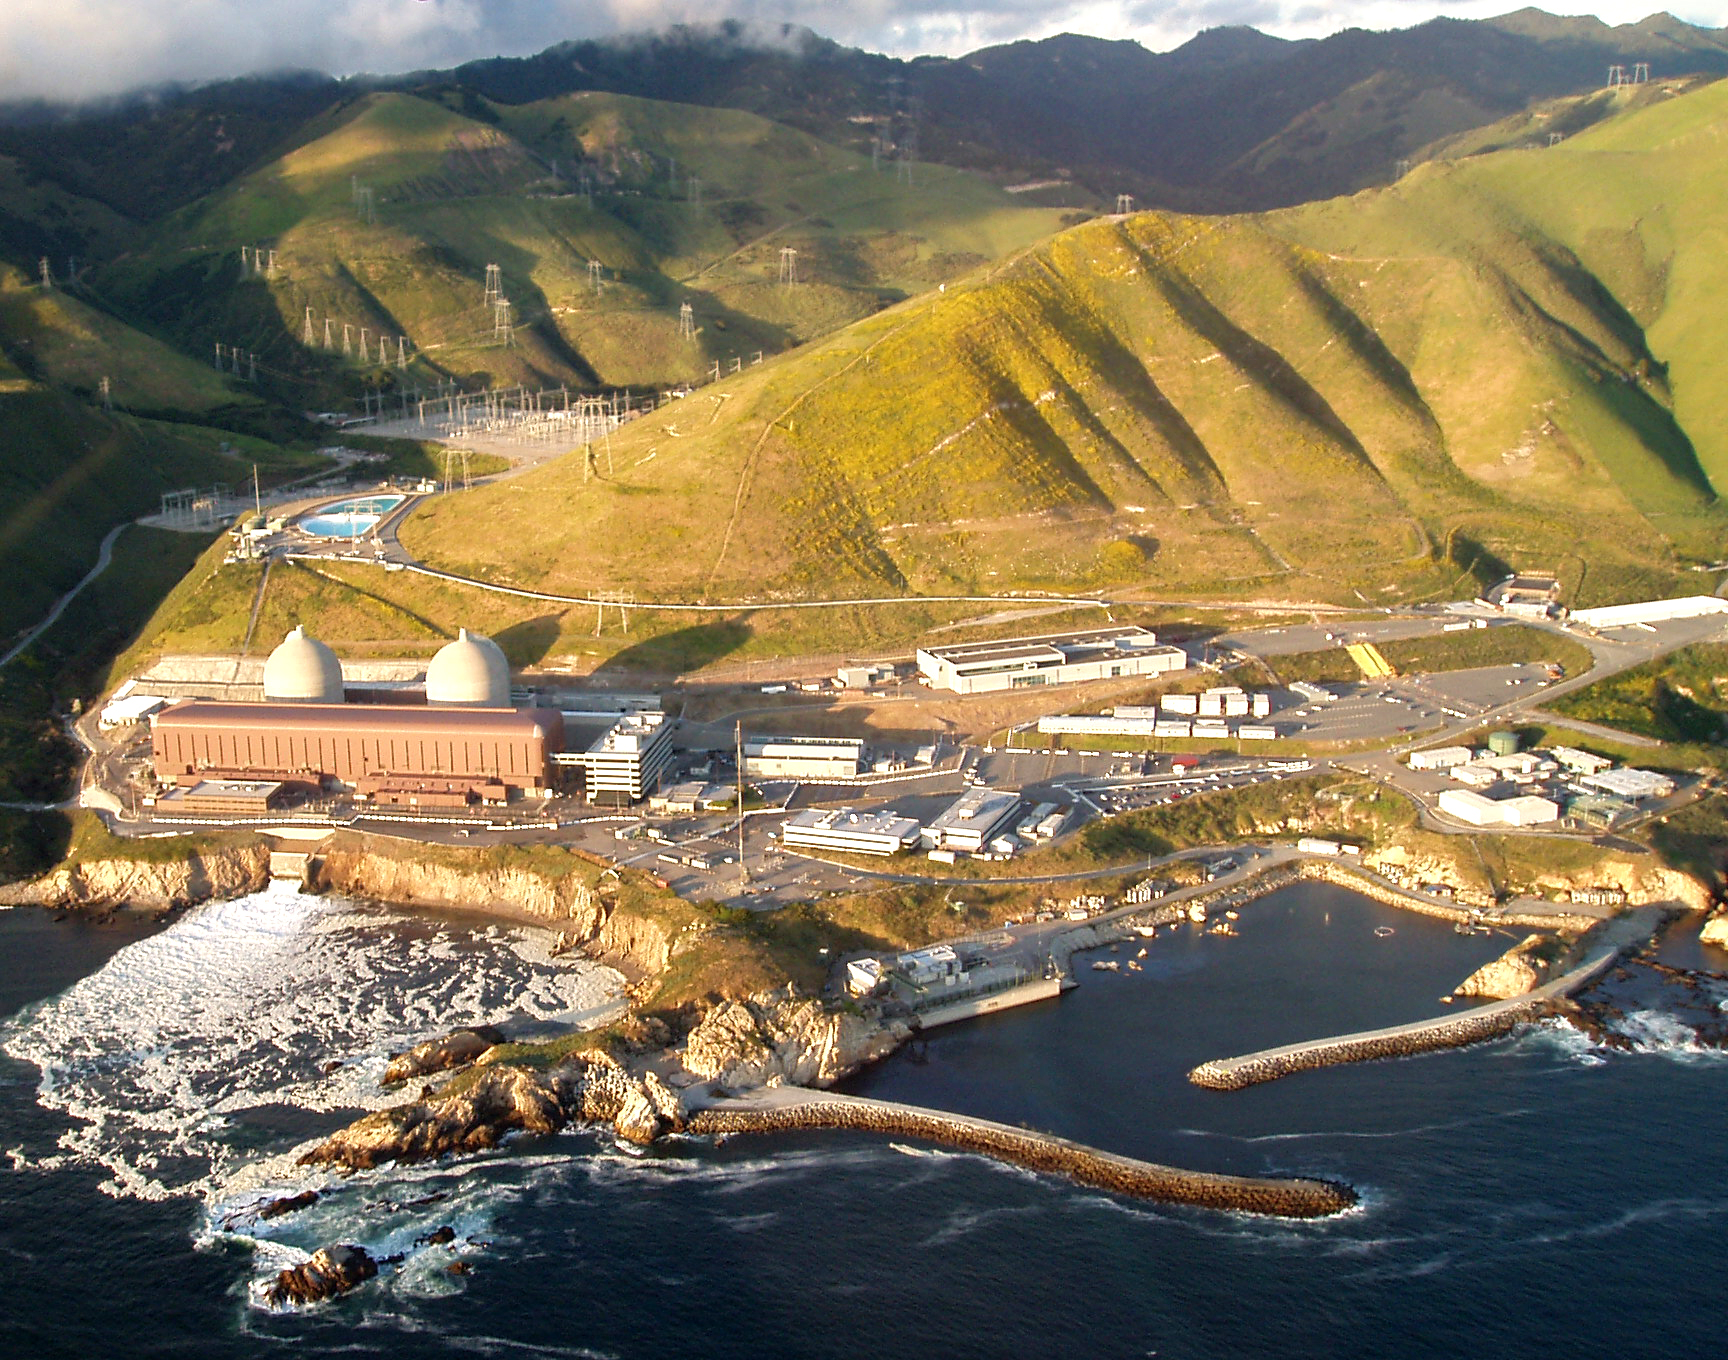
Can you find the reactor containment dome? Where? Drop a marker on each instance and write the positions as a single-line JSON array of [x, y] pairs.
[[470, 672], [303, 671]]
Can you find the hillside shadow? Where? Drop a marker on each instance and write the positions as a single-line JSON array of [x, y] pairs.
[[528, 642], [681, 651]]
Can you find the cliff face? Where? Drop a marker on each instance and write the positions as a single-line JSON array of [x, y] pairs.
[[1642, 878], [199, 877], [585, 916], [779, 1038]]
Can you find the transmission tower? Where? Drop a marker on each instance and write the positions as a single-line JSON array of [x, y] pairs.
[[107, 394], [1403, 167], [306, 330], [693, 190], [596, 275], [251, 367], [672, 175], [401, 351], [270, 268], [494, 284], [1124, 204], [1616, 76], [788, 265], [501, 327], [328, 342], [365, 358], [1640, 72], [347, 340], [218, 356], [686, 322], [1555, 138], [46, 271]]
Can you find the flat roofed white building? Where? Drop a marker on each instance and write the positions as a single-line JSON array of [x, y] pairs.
[[1055, 659], [972, 820], [1441, 758], [627, 760], [803, 757], [861, 833], [1651, 611], [1528, 810], [1632, 784], [1469, 806], [1091, 724], [1581, 762]]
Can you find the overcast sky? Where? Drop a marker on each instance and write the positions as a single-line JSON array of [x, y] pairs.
[[78, 48]]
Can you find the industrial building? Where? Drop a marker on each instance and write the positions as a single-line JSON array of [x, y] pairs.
[[1651, 611], [1633, 785], [464, 743], [1478, 810], [972, 820], [803, 758], [1056, 659], [626, 761], [861, 833], [1441, 758]]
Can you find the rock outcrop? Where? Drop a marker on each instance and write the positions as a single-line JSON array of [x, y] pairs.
[[1715, 930], [452, 1050], [199, 876], [479, 1111], [1522, 968], [330, 1271], [779, 1038], [414, 881]]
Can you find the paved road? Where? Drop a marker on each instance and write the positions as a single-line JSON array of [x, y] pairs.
[[104, 555]]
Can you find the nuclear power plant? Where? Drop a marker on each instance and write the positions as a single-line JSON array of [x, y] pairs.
[[457, 743]]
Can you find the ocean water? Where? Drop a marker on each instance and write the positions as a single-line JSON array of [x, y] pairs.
[[1531, 1196]]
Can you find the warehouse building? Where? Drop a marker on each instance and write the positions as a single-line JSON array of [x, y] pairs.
[[971, 820], [861, 833], [1056, 659], [803, 758], [1633, 785]]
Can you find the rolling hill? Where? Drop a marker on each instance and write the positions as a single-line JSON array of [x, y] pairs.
[[1512, 359], [676, 205]]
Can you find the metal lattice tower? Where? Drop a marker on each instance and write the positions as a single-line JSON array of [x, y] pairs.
[[1555, 138], [107, 394], [494, 284], [1616, 76], [693, 190], [596, 275], [306, 330], [1124, 204], [245, 261], [328, 342], [234, 355], [270, 267], [502, 329], [347, 340], [365, 358], [218, 356], [1640, 72], [1403, 166], [251, 367], [672, 176], [686, 322], [401, 351], [46, 271], [788, 265]]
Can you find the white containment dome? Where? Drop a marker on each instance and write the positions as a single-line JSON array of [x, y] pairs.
[[470, 672], [302, 671]]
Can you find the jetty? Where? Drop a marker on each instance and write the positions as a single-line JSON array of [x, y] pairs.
[[1425, 1036], [786, 1108]]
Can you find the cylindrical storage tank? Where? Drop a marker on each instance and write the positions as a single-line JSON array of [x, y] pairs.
[[302, 671], [470, 672], [1503, 743]]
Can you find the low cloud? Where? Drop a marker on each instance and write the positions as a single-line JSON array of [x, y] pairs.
[[74, 49]]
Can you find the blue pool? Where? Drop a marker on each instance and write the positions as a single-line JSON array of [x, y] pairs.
[[348, 519]]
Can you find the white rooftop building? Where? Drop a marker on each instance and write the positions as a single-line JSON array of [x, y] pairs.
[[861, 833], [1441, 758], [627, 760], [1631, 784], [803, 757], [972, 820], [1054, 659]]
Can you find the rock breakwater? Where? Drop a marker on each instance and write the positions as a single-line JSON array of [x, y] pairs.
[[1296, 1197]]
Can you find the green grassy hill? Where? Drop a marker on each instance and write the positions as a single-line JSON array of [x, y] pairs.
[[678, 205], [1509, 359]]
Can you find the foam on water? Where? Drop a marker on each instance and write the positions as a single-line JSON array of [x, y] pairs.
[[173, 1056]]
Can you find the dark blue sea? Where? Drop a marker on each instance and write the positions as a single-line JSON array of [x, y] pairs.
[[1531, 1197]]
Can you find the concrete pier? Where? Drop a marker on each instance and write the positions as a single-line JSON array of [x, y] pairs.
[[786, 1108]]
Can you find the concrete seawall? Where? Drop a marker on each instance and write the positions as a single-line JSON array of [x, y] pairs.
[[1422, 1036], [787, 1109], [1039, 989]]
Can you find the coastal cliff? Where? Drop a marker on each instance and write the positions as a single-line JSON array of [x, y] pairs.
[[782, 1038], [198, 875]]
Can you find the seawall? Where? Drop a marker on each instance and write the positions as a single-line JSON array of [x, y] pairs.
[[782, 1110]]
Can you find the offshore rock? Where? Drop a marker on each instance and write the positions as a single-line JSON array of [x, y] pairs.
[[1715, 930], [455, 1049], [779, 1038], [330, 1271], [199, 876], [499, 1100], [1522, 968]]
